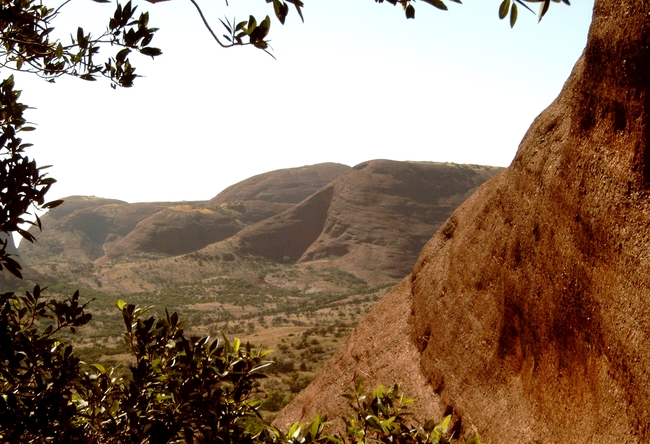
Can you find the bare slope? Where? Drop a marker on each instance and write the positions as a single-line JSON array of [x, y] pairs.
[[83, 228], [289, 185], [185, 228], [371, 221], [86, 228], [530, 308], [178, 229]]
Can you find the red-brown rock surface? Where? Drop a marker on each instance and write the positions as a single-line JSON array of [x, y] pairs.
[[530, 308]]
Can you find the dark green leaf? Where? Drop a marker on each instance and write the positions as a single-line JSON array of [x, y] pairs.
[[53, 204], [437, 3], [122, 55], [12, 266], [504, 8], [149, 51], [280, 9], [513, 15], [226, 25], [522, 3], [543, 9], [252, 24], [410, 11]]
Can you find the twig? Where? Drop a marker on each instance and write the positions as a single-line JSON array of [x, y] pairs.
[[207, 25]]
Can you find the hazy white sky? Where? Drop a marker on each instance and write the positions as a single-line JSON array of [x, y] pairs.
[[356, 81]]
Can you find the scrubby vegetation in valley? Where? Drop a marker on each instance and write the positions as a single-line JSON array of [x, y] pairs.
[[178, 388], [278, 309]]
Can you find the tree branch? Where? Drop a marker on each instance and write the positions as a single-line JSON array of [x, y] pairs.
[[207, 25]]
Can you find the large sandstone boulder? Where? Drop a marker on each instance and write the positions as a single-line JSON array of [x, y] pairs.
[[530, 308]]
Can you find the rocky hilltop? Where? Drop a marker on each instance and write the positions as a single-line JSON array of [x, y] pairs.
[[371, 221], [185, 228], [527, 313], [83, 228], [286, 186], [89, 228]]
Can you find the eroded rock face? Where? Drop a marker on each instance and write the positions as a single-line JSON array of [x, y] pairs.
[[530, 307]]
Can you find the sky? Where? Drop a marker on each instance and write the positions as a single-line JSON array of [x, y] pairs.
[[356, 81]]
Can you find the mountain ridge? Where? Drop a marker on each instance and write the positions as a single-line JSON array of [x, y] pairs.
[[370, 220]]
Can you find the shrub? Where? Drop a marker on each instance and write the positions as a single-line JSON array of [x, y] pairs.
[[180, 389], [39, 376], [274, 401]]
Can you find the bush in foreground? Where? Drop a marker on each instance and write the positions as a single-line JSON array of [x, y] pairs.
[[181, 389]]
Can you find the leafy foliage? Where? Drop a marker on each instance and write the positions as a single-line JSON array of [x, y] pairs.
[[26, 45], [22, 182], [39, 375], [509, 7], [382, 416], [237, 32], [180, 389]]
